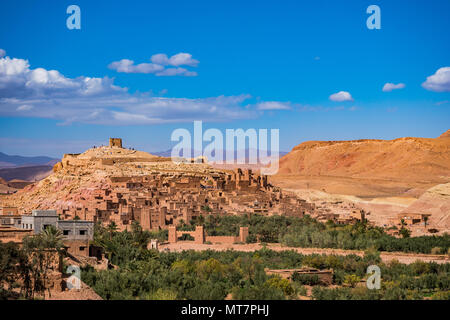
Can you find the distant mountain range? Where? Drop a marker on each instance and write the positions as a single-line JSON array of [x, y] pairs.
[[24, 168], [168, 153], [7, 161]]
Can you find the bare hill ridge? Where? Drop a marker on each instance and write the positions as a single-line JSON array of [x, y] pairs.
[[446, 134], [404, 159]]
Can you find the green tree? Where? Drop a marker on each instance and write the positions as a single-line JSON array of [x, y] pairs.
[[14, 268], [352, 280], [405, 233], [282, 284], [112, 228], [44, 252], [52, 238]]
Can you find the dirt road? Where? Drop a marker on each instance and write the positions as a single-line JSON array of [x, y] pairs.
[[406, 258]]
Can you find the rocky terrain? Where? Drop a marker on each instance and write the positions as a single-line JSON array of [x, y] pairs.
[[4, 188], [384, 177], [369, 168], [436, 201]]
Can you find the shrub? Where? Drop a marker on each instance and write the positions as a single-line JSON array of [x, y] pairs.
[[351, 280]]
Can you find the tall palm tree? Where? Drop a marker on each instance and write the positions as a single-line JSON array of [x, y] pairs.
[[425, 220], [112, 227], [53, 238], [41, 250]]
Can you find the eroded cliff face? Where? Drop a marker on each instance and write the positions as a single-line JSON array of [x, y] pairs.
[[404, 159]]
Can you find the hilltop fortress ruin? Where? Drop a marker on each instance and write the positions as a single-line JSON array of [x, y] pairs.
[[120, 185]]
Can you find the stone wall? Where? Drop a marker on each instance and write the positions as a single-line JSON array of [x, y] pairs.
[[222, 239], [8, 234], [198, 234], [243, 234], [77, 247]]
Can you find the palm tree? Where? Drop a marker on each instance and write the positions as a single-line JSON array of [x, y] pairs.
[[43, 250], [112, 227], [200, 220], [52, 238], [107, 245], [425, 220]]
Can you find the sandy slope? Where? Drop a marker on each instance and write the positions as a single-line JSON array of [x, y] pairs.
[[400, 165], [384, 177], [437, 202]]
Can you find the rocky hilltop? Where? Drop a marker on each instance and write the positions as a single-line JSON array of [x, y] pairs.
[[405, 159], [385, 177], [77, 176], [446, 134]]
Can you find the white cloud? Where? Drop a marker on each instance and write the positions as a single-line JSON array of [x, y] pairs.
[[183, 59], [160, 58], [2, 53], [128, 66], [159, 62], [273, 105], [341, 96], [388, 87], [11, 67], [438, 82], [24, 107], [20, 82], [177, 71], [49, 94]]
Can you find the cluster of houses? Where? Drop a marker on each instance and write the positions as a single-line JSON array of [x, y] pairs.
[[162, 199], [76, 234]]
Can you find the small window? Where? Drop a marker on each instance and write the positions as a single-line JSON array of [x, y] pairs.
[[66, 232], [82, 248], [83, 232]]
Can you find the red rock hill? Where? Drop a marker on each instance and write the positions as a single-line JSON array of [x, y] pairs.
[[404, 159]]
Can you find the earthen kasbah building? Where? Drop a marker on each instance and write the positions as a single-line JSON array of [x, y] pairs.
[[159, 193]]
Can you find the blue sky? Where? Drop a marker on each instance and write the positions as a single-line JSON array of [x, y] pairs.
[[250, 64]]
